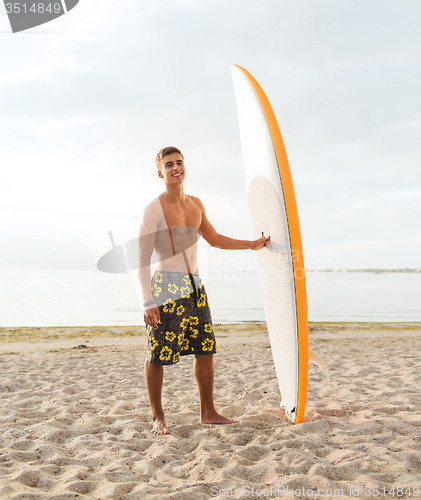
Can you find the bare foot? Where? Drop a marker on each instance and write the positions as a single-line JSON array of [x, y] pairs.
[[159, 426], [215, 418]]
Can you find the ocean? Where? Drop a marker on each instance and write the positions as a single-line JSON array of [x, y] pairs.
[[88, 298]]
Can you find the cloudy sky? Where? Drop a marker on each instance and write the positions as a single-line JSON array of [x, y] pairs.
[[88, 99]]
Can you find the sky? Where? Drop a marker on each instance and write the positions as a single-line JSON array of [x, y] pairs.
[[88, 100]]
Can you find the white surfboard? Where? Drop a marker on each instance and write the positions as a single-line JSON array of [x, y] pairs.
[[273, 212]]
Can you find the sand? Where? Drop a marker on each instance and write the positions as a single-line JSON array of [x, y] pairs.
[[75, 418]]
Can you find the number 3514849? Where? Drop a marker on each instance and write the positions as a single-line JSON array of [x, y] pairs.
[[34, 8]]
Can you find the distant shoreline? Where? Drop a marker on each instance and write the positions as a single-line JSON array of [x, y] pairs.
[[368, 270], [84, 333], [374, 271]]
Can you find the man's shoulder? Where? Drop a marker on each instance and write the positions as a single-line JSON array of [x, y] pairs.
[[153, 205], [153, 211], [196, 200]]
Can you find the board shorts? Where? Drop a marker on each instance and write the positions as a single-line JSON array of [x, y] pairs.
[[186, 322]]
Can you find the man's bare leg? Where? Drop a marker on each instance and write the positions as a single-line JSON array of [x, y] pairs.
[[204, 374], [154, 376]]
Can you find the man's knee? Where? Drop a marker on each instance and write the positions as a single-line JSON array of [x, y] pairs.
[[152, 367], [205, 359]]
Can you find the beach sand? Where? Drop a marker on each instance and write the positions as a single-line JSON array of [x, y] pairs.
[[75, 419]]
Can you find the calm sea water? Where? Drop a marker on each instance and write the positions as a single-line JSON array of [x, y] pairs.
[[73, 298]]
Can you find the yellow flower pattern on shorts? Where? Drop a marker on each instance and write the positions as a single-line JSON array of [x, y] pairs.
[[158, 277], [173, 288], [186, 322], [165, 354], [180, 310], [170, 336], [202, 301], [185, 345], [185, 292], [169, 306], [208, 328], [207, 344], [194, 333]]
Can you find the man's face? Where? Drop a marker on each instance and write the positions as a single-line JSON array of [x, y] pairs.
[[172, 169]]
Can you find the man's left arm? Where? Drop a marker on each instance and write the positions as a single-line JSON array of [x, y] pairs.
[[217, 240]]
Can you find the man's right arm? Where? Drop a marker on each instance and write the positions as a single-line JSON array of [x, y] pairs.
[[147, 235]]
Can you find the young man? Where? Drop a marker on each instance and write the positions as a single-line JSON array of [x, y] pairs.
[[176, 308]]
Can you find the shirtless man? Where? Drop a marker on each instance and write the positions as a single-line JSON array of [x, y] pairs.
[[176, 308]]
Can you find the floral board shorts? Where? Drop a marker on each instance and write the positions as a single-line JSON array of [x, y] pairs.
[[186, 322]]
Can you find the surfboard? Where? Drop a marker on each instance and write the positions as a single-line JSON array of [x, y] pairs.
[[273, 212]]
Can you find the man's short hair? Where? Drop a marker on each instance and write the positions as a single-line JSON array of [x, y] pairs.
[[164, 152]]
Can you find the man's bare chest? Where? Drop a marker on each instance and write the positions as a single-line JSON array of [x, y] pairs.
[[188, 214]]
